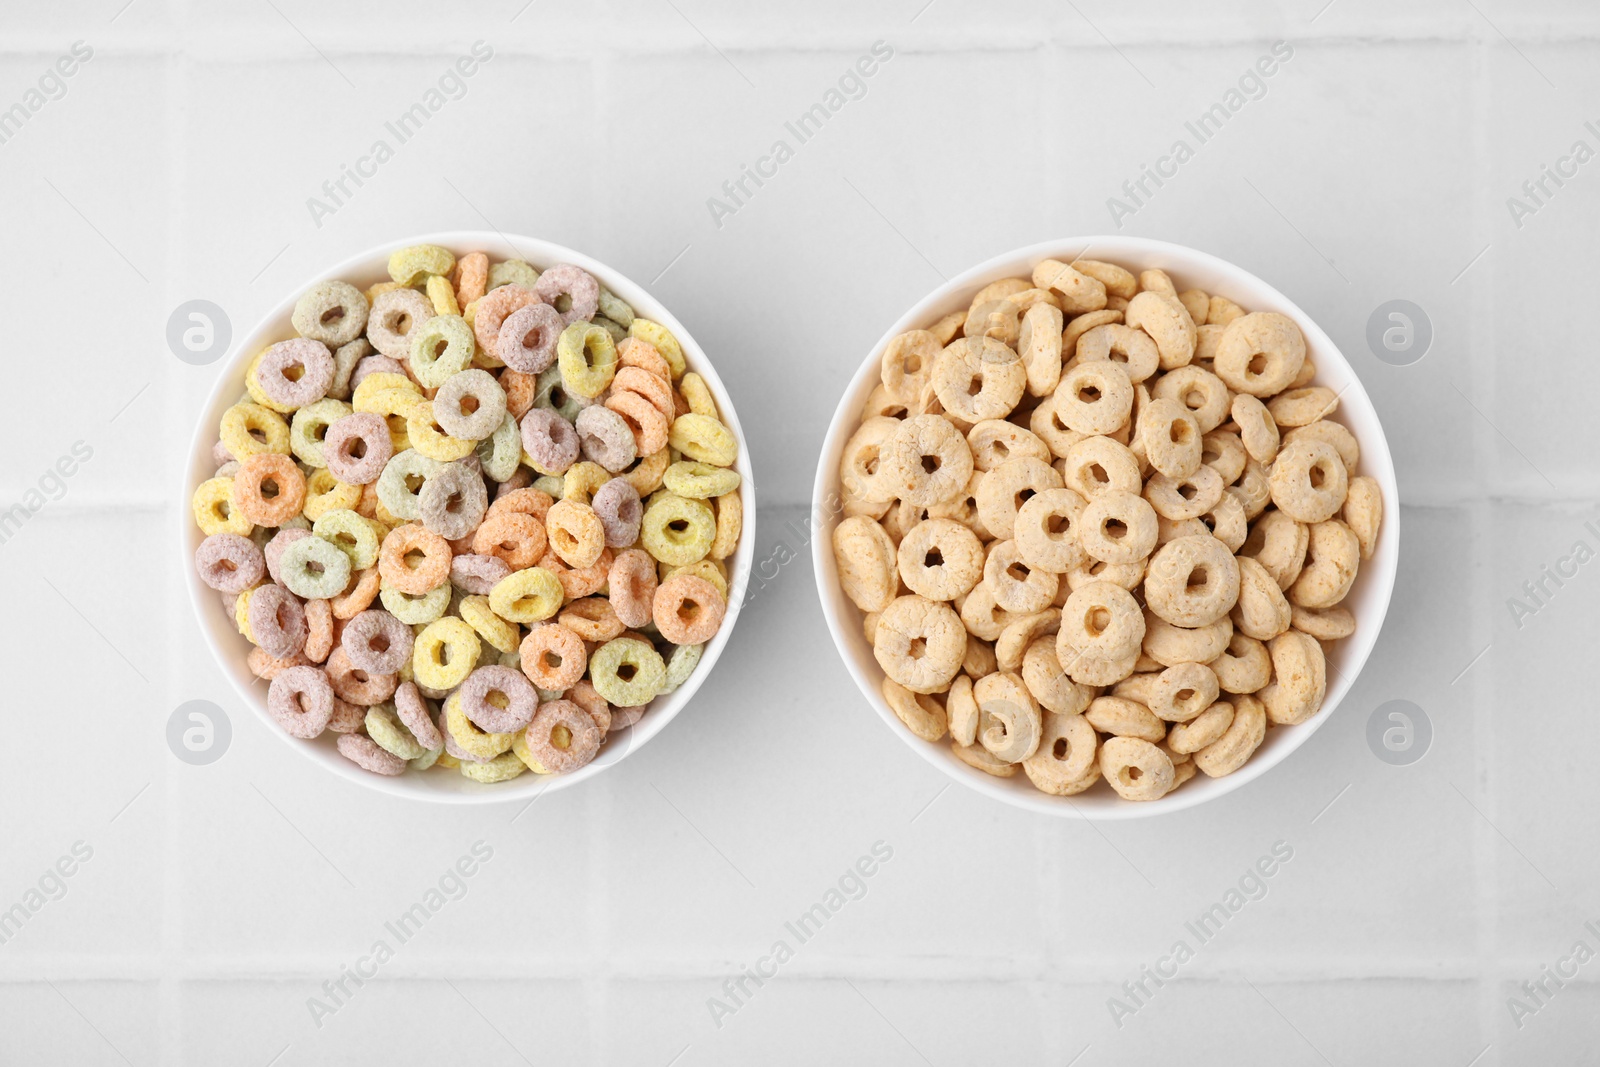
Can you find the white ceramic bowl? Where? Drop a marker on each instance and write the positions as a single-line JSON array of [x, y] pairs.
[[1368, 600], [230, 648]]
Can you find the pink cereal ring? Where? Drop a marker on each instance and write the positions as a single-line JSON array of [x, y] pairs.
[[589, 699], [364, 752], [377, 642], [606, 438], [374, 365], [620, 510], [278, 621], [527, 338], [301, 700], [477, 574], [550, 439], [229, 563], [347, 718], [553, 657], [356, 448], [687, 610], [622, 718], [512, 710], [275, 372], [632, 583], [563, 736], [413, 711], [574, 283], [493, 308], [356, 686]]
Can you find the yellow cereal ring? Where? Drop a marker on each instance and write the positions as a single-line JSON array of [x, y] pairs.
[[489, 626], [661, 338], [502, 768], [446, 760], [443, 297], [709, 570], [444, 654], [242, 422], [588, 358], [409, 265], [647, 474], [378, 383], [703, 438], [526, 596], [325, 493], [676, 530], [241, 614], [698, 395], [519, 747], [350, 534], [214, 512], [701, 481], [730, 522], [309, 426], [377, 290], [582, 480], [429, 439], [472, 740]]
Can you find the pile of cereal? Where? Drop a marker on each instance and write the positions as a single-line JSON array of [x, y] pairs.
[[1100, 528], [524, 475]]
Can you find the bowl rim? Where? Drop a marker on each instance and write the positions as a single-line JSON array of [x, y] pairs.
[[204, 601], [1376, 461]]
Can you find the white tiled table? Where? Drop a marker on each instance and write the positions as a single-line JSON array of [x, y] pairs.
[[1376, 165]]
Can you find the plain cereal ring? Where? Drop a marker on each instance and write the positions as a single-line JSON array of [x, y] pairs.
[[687, 610], [1019, 634], [1094, 398], [1118, 527], [1200, 392], [1363, 513], [1008, 717], [1101, 620], [939, 559], [1009, 486], [453, 502], [994, 442], [1333, 556], [550, 440], [527, 596], [1262, 612], [1188, 497], [1039, 346], [377, 642], [354, 685], [1172, 438], [867, 561], [1192, 581], [396, 320], [1168, 644], [1132, 349], [675, 530], [1308, 480], [1064, 763], [1049, 684], [1244, 667], [1118, 281], [1079, 292], [1303, 406], [563, 737], [1079, 325], [1017, 587], [981, 758], [268, 489], [1238, 742], [1299, 678], [906, 367], [1182, 692], [1260, 354], [1096, 465], [606, 438], [1197, 304], [626, 671], [300, 700], [229, 562], [922, 714], [864, 470], [977, 378], [1163, 316], [1279, 544], [919, 643], [1046, 530], [928, 461], [1136, 769], [961, 710], [1222, 451], [1343, 441], [1200, 730], [314, 568]]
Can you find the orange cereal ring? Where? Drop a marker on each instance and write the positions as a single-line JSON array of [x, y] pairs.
[[650, 427], [587, 697], [353, 601], [395, 560], [579, 583], [267, 667], [562, 736], [687, 610], [593, 619], [523, 501], [636, 352], [553, 657], [471, 277], [516, 538], [575, 532], [520, 389], [632, 586], [356, 686], [652, 387], [268, 488], [319, 630]]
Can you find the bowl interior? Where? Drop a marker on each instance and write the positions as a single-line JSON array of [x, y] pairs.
[[230, 648], [1368, 599]]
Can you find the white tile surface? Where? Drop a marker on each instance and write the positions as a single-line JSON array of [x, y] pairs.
[[1377, 165]]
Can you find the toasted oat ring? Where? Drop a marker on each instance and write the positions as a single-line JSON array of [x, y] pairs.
[[1244, 666], [1167, 321], [1263, 611], [1333, 557], [1009, 486], [1260, 354], [928, 461], [1046, 530], [562, 736], [1279, 543], [1168, 644], [1343, 441], [300, 699], [995, 441], [1008, 717], [1189, 737], [1131, 348], [1118, 527], [1238, 742], [920, 643], [1183, 691], [631, 582], [264, 472], [1080, 292], [1015, 585], [687, 610], [1187, 497], [651, 429], [1049, 684], [907, 365], [1039, 346], [1171, 436], [1097, 465], [516, 539], [1136, 769], [354, 685], [1192, 581], [1309, 481], [1102, 620], [1223, 452], [1094, 398], [429, 572], [1363, 513], [939, 559], [1065, 756], [866, 560], [977, 378], [1200, 392]]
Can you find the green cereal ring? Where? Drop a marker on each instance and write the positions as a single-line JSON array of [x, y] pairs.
[[314, 569], [416, 610], [587, 357], [310, 425], [704, 438], [676, 530], [384, 727], [550, 391], [699, 480], [351, 534], [512, 272], [681, 664], [410, 265], [550, 485], [527, 596], [501, 451], [443, 346], [334, 313], [661, 338], [400, 484], [502, 768], [615, 309], [627, 672], [427, 759], [615, 329]]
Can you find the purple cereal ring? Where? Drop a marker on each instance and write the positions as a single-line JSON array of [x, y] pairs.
[[577, 285], [347, 718], [220, 454], [583, 737], [528, 336], [274, 548], [309, 386], [374, 365], [229, 563], [452, 501], [549, 439], [396, 316], [476, 695], [622, 718], [493, 309], [477, 574], [301, 700], [520, 480], [413, 711], [356, 447], [364, 752], [452, 746], [620, 511], [377, 642], [278, 621], [605, 438]]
